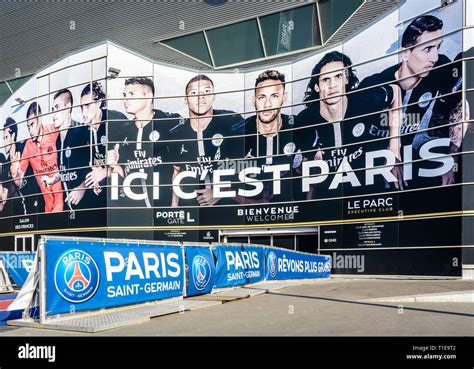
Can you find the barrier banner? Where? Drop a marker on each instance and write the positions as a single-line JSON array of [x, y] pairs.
[[201, 271], [237, 265], [18, 265], [286, 264], [92, 275]]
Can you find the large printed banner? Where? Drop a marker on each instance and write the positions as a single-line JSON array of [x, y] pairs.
[[18, 265], [238, 265], [201, 270], [92, 275], [84, 275], [285, 264], [369, 129]]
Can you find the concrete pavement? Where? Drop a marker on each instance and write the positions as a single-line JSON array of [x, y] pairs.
[[335, 307]]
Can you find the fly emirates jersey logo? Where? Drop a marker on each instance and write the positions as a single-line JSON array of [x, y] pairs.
[[203, 168], [338, 155], [141, 160], [67, 175], [100, 159], [136, 174]]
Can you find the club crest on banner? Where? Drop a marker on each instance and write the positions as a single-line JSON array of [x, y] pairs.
[[201, 272], [76, 276], [272, 263]]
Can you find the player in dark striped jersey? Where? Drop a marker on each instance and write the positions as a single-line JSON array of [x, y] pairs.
[[207, 140], [336, 128], [424, 76], [137, 154], [96, 116], [72, 146], [269, 145]]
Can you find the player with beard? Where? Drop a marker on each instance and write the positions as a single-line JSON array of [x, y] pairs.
[[72, 146], [22, 199], [137, 148], [335, 127], [269, 142], [95, 116], [422, 79], [40, 154], [208, 130]]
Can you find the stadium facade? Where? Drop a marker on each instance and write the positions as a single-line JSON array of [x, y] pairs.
[[360, 149]]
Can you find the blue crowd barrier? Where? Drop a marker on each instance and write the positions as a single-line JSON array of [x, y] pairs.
[[93, 275], [238, 265], [283, 264], [85, 275], [201, 270]]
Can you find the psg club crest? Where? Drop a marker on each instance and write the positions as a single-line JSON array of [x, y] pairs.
[[358, 130], [272, 264], [76, 276], [217, 139], [201, 272], [154, 136], [289, 148]]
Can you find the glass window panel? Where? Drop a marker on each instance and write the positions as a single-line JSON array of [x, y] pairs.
[[19, 244], [307, 243], [235, 43], [18, 82], [285, 242], [260, 240], [4, 93], [237, 239], [333, 13], [290, 30], [193, 45]]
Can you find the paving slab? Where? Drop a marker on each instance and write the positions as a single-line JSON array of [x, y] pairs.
[[115, 318], [336, 307], [101, 320], [454, 296]]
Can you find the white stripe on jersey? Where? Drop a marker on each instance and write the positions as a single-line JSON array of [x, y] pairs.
[[337, 134], [202, 152], [139, 147], [269, 158]]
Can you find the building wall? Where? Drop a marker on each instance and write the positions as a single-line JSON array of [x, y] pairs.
[[414, 230]]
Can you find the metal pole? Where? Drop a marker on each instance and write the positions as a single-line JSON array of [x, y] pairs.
[[184, 269], [42, 282], [319, 238]]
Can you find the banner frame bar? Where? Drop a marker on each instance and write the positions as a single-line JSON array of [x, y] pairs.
[[42, 282]]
